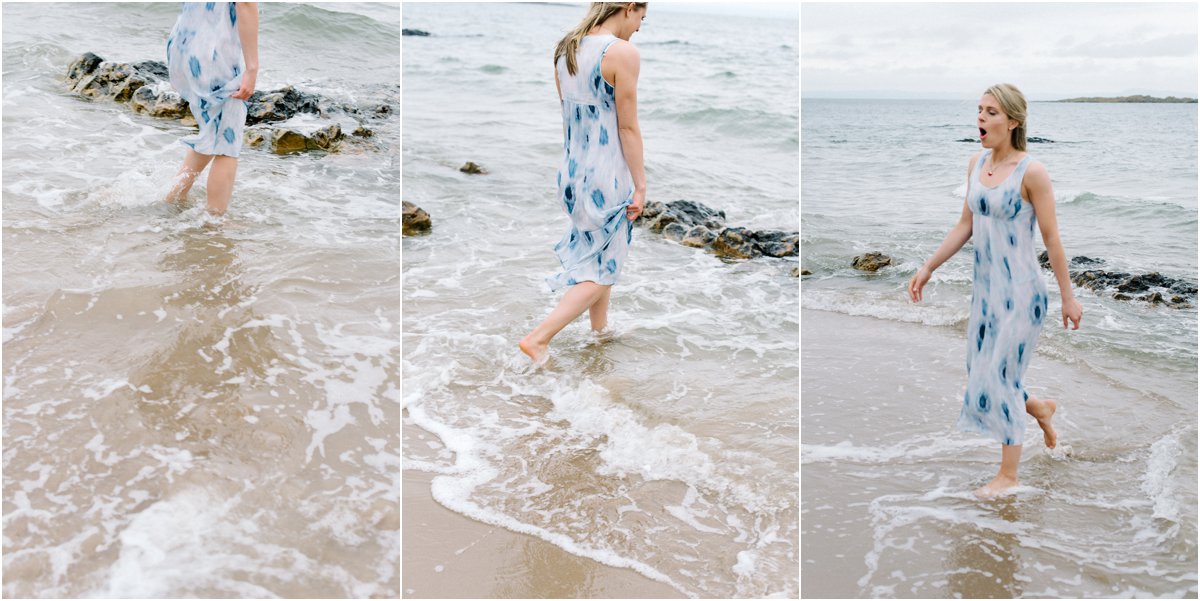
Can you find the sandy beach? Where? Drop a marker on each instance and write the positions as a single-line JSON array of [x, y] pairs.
[[449, 556], [886, 499]]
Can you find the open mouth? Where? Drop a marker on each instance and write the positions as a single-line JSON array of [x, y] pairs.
[[982, 133]]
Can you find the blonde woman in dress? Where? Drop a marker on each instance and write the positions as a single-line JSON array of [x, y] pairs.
[[601, 179]]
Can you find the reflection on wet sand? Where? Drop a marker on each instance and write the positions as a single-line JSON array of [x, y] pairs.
[[983, 559]]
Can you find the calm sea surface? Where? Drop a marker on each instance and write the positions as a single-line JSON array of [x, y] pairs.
[[198, 407], [1114, 513], [672, 448]]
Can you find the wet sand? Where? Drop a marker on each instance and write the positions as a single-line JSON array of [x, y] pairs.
[[447, 556], [887, 509]]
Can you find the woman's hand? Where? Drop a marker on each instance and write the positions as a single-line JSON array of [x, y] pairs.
[[918, 282], [1071, 309], [634, 210], [248, 81]]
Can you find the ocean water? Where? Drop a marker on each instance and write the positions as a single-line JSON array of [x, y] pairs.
[[1113, 513], [198, 406], [670, 449]]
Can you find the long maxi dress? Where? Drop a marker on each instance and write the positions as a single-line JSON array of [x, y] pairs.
[[205, 65], [594, 183], [1008, 307]]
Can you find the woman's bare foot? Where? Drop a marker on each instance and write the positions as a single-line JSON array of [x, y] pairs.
[[537, 352], [998, 486], [1043, 410]]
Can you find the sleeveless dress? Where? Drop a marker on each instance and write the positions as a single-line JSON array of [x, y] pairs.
[[1008, 307], [205, 64], [594, 183]]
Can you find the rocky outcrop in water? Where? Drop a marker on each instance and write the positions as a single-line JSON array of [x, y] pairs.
[[872, 261], [1153, 287], [416, 32], [472, 168], [1030, 139], [146, 88], [415, 220], [699, 226]]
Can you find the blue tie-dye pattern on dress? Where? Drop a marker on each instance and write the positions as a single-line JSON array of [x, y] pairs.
[[204, 59], [1008, 307], [596, 244]]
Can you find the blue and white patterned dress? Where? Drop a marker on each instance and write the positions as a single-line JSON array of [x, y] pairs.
[[204, 58], [1008, 307], [594, 184]]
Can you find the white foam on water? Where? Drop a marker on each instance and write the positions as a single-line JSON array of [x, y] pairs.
[[1158, 483], [895, 307], [920, 448]]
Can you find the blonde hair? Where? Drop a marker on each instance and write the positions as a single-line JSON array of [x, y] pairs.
[[1012, 102], [598, 13]]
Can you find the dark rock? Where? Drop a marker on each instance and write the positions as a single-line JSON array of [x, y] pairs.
[[1037, 140], [694, 213], [675, 231], [416, 32], [113, 81], [1084, 261], [1153, 298], [383, 110], [82, 66], [280, 105], [156, 103], [1183, 287], [363, 132], [415, 220], [1141, 283], [775, 243], [661, 221], [1178, 299], [472, 168], [155, 68], [287, 140], [698, 237], [871, 261], [795, 272], [735, 243], [1044, 259], [1121, 296], [652, 209], [805, 272]]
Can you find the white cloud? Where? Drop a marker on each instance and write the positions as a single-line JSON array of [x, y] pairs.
[[1049, 50]]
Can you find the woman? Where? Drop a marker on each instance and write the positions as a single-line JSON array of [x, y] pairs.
[[601, 179], [1007, 195], [212, 58]]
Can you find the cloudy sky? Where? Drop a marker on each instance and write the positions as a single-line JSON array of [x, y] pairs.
[[1050, 51]]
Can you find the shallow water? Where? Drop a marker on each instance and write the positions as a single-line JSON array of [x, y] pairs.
[[887, 508], [197, 406], [671, 447]]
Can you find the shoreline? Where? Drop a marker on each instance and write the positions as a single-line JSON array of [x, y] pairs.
[[448, 555]]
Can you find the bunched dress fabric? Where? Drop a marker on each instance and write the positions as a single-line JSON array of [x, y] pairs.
[[594, 183], [205, 64], [1008, 307]]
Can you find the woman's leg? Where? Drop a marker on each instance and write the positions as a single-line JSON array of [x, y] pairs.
[[193, 164], [598, 312], [220, 183], [1043, 410], [1010, 460], [578, 299]]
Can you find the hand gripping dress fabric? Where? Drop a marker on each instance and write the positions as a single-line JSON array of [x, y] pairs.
[[205, 64], [1008, 307], [594, 183]]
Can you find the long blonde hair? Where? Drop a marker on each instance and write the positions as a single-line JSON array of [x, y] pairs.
[[1012, 102], [598, 13]]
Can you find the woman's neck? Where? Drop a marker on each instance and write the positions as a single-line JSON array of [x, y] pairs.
[[1003, 154]]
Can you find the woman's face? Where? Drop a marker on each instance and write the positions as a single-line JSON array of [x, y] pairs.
[[633, 22], [994, 125]]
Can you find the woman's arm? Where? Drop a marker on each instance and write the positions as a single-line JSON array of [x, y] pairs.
[[1041, 194], [247, 25], [627, 63], [958, 236]]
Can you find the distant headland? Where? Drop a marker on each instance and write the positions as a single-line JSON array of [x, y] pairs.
[[1138, 98]]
